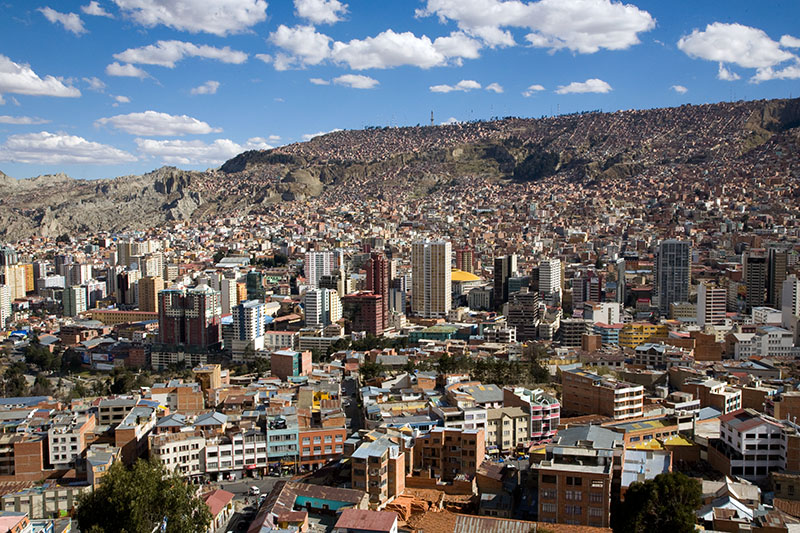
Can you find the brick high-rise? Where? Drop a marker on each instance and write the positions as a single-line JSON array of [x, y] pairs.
[[378, 280], [189, 317]]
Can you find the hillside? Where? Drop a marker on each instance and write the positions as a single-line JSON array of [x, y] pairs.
[[589, 148]]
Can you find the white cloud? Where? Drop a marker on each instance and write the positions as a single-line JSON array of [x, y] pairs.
[[273, 138], [680, 89], [95, 84], [451, 120], [787, 41], [19, 78], [209, 87], [181, 152], [305, 46], [5, 119], [152, 123], [122, 99], [390, 49], [790, 72], [220, 17], [167, 53], [59, 148], [127, 70], [319, 81], [593, 85], [95, 9], [533, 89], [495, 87], [463, 85], [734, 43], [356, 81], [320, 11], [583, 26], [266, 58], [725, 74], [71, 21], [309, 136]]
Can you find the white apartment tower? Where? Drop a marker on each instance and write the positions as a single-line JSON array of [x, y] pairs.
[[550, 276], [431, 294], [711, 304], [319, 264]]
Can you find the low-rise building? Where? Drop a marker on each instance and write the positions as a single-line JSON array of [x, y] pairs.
[[585, 393], [448, 453]]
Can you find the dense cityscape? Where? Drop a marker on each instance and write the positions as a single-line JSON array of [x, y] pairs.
[[573, 351]]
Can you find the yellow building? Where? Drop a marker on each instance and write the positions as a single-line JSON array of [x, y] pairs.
[[632, 335]]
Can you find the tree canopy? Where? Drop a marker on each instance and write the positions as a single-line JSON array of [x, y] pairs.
[[139, 499], [666, 503]]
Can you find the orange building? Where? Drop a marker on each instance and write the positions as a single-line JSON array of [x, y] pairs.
[[445, 453], [379, 470], [585, 393]]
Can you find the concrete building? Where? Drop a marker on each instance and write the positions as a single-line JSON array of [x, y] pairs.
[[543, 409], [67, 438], [711, 305], [673, 273], [550, 277], [74, 300], [751, 445], [286, 363], [755, 277], [322, 307], [576, 478], [319, 264], [379, 469], [504, 268], [447, 453], [507, 428], [431, 291], [585, 393], [149, 287]]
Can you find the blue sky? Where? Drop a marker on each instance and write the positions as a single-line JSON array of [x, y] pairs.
[[102, 88]]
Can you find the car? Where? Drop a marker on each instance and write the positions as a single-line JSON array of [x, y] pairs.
[[255, 491]]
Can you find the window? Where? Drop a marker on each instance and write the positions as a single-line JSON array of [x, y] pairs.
[[549, 508], [597, 483], [596, 497], [595, 512]]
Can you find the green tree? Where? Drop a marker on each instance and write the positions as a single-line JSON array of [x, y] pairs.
[[41, 387], [666, 503], [139, 499], [370, 370], [14, 380]]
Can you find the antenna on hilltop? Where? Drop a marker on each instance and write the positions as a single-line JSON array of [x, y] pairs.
[[431, 117]]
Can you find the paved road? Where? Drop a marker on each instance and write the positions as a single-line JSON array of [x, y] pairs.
[[241, 488], [350, 390]]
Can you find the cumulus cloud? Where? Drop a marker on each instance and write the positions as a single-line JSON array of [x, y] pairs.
[[319, 81], [725, 74], [680, 89], [592, 85], [309, 136], [734, 43], [167, 53], [95, 84], [304, 45], [790, 72], [6, 119], [220, 17], [356, 81], [126, 70], [71, 21], [181, 152], [120, 99], [533, 89], [451, 120], [209, 87], [19, 78], [320, 11], [463, 85], [153, 123], [95, 9], [787, 41], [495, 88], [583, 26], [58, 149]]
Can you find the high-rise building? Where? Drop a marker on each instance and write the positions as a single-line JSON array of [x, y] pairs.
[[320, 264], [255, 285], [8, 256], [711, 305], [523, 314], [74, 300], [790, 301], [228, 289], [431, 294], [621, 283], [5, 305], [189, 317], [673, 273], [504, 268], [378, 281], [755, 277], [550, 276], [586, 287], [776, 274], [126, 287], [95, 291], [364, 312], [465, 259], [77, 273], [322, 307], [249, 320], [149, 287]]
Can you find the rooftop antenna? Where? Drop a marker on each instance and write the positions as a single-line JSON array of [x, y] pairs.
[[431, 117]]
